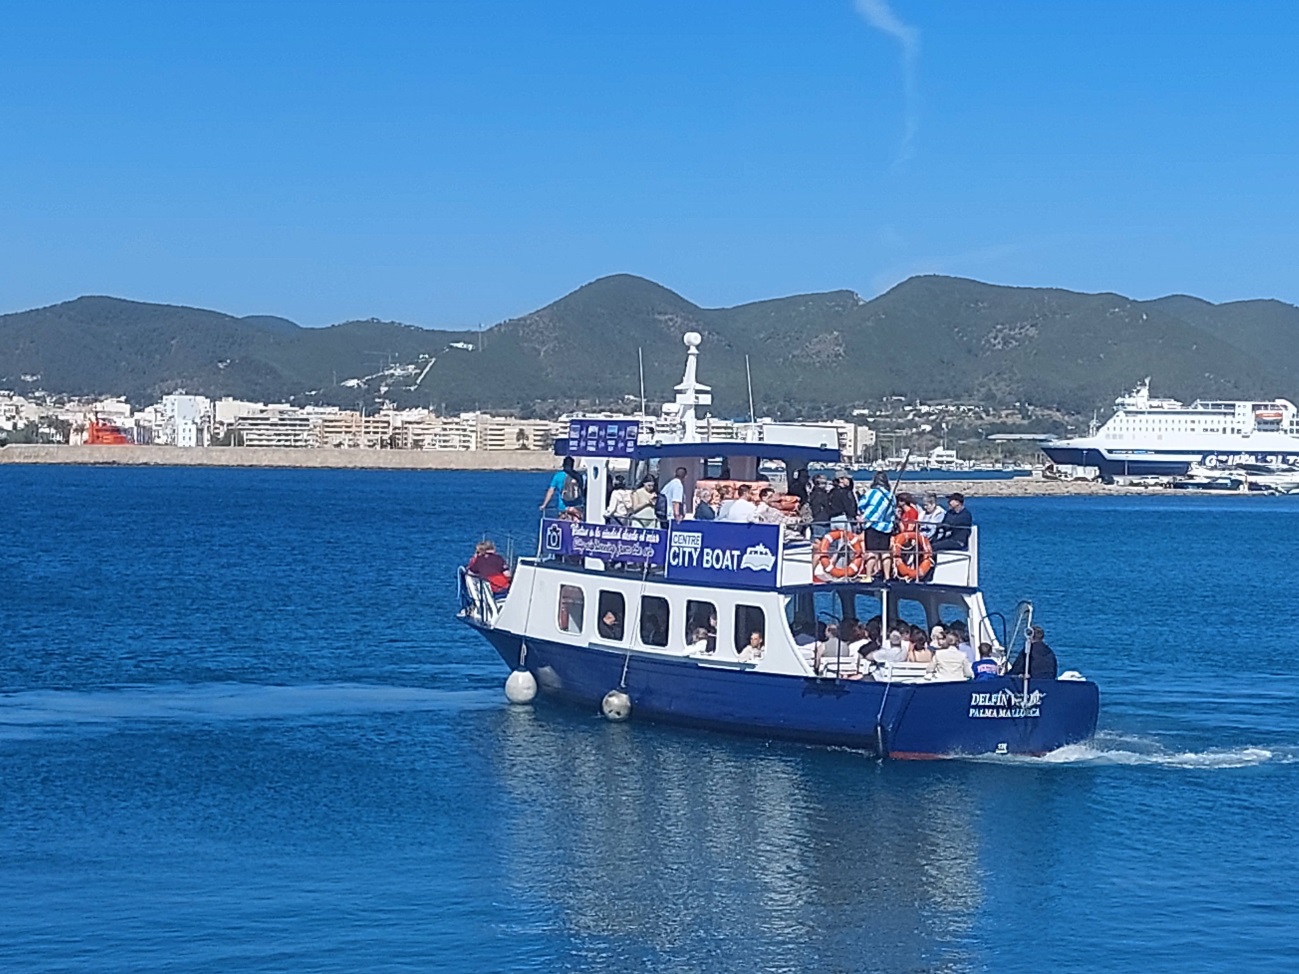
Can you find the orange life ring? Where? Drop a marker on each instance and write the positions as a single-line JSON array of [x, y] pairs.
[[921, 553], [829, 549]]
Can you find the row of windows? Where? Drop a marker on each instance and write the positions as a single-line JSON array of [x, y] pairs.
[[699, 621]]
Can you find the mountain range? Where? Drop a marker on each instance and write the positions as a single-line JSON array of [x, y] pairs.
[[930, 337]]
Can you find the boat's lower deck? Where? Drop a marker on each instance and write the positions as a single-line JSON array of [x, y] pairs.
[[927, 720]]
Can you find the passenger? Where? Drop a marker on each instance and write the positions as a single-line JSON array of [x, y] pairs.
[[753, 650], [1038, 657], [949, 664], [962, 633], [766, 513], [842, 502], [908, 514], [893, 651], [931, 516], [573, 514], [878, 512], [920, 651], [829, 650], [706, 504], [674, 496], [566, 488], [642, 504], [954, 533], [727, 495], [986, 667], [610, 626], [488, 565], [742, 508], [618, 510], [818, 502]]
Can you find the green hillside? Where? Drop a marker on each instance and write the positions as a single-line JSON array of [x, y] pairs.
[[811, 354]]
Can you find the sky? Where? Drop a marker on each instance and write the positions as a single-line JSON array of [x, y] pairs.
[[452, 164]]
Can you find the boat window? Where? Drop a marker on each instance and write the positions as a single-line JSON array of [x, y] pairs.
[[654, 618], [866, 606], [748, 620], [701, 626], [572, 603], [808, 611], [611, 623], [910, 611]]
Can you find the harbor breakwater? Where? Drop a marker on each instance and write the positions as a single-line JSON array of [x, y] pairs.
[[515, 460], [249, 456]]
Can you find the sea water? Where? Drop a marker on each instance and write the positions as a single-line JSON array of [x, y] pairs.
[[240, 730]]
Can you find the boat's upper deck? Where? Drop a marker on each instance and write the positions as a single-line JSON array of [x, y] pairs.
[[742, 555]]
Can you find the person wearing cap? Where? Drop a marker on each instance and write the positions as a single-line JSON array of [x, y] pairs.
[[1037, 657], [954, 533]]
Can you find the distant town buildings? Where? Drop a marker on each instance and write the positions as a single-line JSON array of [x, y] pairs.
[[871, 434]]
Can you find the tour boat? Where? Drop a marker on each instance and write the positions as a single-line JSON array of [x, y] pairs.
[[712, 624]]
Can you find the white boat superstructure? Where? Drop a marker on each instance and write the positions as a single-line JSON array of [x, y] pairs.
[[1148, 435]]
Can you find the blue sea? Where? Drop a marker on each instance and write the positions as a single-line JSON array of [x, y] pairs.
[[240, 730]]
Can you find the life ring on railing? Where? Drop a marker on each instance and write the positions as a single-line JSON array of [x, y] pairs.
[[831, 548], [916, 562]]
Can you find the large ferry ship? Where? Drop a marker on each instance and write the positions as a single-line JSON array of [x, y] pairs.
[[1149, 436], [736, 626]]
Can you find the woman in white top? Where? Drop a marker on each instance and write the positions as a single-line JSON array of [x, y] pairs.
[[619, 508]]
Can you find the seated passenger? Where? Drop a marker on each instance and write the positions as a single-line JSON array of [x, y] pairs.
[[962, 633], [706, 504], [642, 504], [949, 664], [954, 532], [985, 667], [767, 512], [893, 651], [752, 650], [487, 564], [742, 508], [1037, 656], [610, 626], [931, 516], [726, 495], [921, 650], [830, 650]]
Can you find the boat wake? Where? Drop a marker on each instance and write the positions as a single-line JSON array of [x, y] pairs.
[[1127, 751], [34, 713]]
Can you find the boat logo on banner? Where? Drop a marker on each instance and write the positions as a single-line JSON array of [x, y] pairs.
[[613, 542], [720, 553], [1006, 703]]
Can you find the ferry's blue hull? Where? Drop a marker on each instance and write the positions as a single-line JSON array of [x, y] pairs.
[[894, 720], [1148, 466]]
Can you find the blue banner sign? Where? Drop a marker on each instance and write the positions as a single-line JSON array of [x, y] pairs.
[[723, 553], [612, 542], [602, 437]]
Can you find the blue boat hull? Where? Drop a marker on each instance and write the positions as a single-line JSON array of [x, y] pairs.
[[892, 720], [1149, 466]]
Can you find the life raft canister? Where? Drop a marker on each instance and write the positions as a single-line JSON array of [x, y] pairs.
[[831, 548], [913, 556]]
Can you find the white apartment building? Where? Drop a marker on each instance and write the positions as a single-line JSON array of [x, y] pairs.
[[183, 421]]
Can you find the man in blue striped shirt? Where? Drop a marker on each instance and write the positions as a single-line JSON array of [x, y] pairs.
[[877, 510]]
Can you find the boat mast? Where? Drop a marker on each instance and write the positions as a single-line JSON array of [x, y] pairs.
[[691, 392]]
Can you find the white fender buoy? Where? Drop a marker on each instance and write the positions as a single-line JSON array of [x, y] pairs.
[[520, 687], [616, 705]]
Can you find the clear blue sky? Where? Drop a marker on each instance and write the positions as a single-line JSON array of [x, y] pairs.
[[456, 163]]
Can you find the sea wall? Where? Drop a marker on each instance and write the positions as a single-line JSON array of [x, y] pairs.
[[247, 456]]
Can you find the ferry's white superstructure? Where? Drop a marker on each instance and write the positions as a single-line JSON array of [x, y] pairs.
[[1163, 437]]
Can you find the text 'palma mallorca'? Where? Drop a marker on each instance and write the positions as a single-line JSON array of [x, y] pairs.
[[775, 628]]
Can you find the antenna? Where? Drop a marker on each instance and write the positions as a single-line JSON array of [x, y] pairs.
[[640, 355], [748, 372]]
